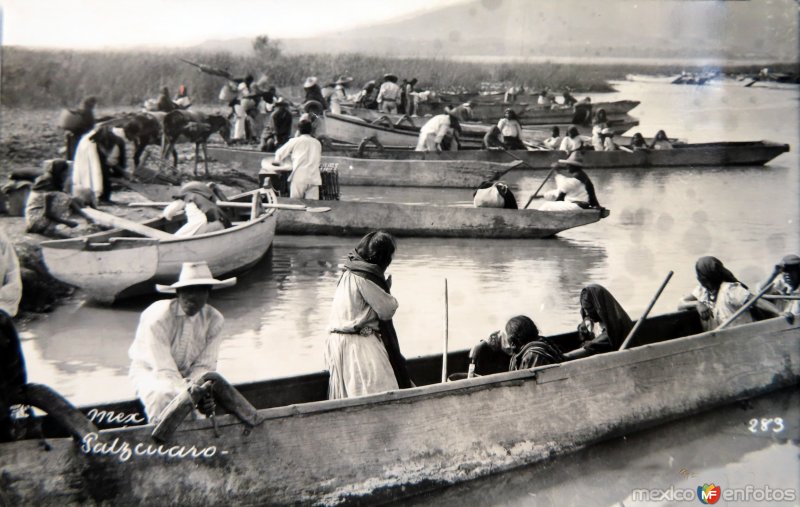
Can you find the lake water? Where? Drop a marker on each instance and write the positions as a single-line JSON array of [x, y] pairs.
[[661, 220]]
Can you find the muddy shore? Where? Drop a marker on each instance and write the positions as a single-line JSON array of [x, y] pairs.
[[29, 137]]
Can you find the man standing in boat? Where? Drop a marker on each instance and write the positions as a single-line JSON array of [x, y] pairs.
[[306, 154], [177, 340]]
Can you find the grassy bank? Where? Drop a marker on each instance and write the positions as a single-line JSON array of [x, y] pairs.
[[51, 78]]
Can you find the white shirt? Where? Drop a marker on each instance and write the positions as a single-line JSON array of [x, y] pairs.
[[171, 345], [509, 128], [571, 144], [437, 126], [306, 155], [573, 188], [195, 217], [389, 92], [553, 142], [10, 281]]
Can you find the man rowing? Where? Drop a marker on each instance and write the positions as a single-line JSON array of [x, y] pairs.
[[574, 190], [177, 340]]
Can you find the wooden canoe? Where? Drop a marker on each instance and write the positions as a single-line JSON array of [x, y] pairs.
[[386, 173], [356, 218], [745, 153], [115, 264], [531, 113], [386, 446], [476, 130]]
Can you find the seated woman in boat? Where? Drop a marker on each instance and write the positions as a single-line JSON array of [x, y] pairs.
[[48, 208], [198, 201], [638, 142], [574, 190], [787, 285], [362, 352], [433, 134], [661, 141], [720, 294], [518, 346], [599, 123], [511, 130], [554, 141], [492, 139], [605, 324], [608, 140], [572, 141]]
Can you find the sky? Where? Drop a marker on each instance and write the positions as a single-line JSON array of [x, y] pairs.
[[90, 24]]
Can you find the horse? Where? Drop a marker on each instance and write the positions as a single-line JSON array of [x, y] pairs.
[[195, 127]]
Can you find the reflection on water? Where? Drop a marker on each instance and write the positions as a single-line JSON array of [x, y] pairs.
[[716, 447], [661, 220]]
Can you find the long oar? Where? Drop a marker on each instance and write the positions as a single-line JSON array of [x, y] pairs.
[[446, 335], [228, 204], [646, 312], [780, 297], [107, 219], [539, 189], [752, 301]]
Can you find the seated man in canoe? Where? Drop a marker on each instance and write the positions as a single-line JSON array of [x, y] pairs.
[[177, 340], [574, 190], [198, 201], [518, 346], [719, 295], [787, 286], [605, 324]]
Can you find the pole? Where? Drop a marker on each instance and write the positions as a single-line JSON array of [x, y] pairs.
[[446, 330], [752, 301], [538, 189], [646, 312]]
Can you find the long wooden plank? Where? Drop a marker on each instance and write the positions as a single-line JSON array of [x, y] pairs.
[[110, 220]]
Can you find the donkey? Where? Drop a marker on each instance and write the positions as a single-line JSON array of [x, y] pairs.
[[194, 127]]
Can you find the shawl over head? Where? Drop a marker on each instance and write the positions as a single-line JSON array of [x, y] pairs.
[[596, 298], [375, 274], [712, 270]]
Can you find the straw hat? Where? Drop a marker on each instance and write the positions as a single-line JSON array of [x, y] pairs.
[[196, 273], [194, 187], [575, 159], [390, 77], [344, 80], [607, 132], [311, 81]]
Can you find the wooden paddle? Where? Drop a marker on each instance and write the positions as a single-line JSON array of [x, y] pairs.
[[107, 219], [752, 301], [228, 204], [646, 312], [446, 333], [780, 297], [539, 189]]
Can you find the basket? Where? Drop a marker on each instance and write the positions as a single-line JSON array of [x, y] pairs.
[[329, 190]]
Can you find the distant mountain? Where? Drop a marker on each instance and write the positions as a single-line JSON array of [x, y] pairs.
[[732, 30]]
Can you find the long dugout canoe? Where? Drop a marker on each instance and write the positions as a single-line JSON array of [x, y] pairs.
[[386, 173], [395, 444], [530, 133], [533, 114], [356, 218], [744, 153]]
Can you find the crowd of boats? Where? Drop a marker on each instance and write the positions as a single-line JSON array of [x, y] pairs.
[[304, 448]]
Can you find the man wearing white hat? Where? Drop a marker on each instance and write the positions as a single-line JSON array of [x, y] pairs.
[[389, 94], [574, 191], [177, 340]]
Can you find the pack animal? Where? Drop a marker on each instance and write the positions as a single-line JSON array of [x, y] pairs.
[[142, 129], [194, 127]]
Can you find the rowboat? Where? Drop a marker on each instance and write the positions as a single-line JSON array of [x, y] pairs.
[[745, 153], [356, 218], [388, 173], [530, 133], [534, 114], [119, 263], [309, 450]]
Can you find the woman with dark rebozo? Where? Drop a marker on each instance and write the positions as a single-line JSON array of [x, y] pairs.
[[362, 352]]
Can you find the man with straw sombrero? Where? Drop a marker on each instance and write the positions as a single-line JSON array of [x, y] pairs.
[[339, 95], [574, 190], [177, 340]]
